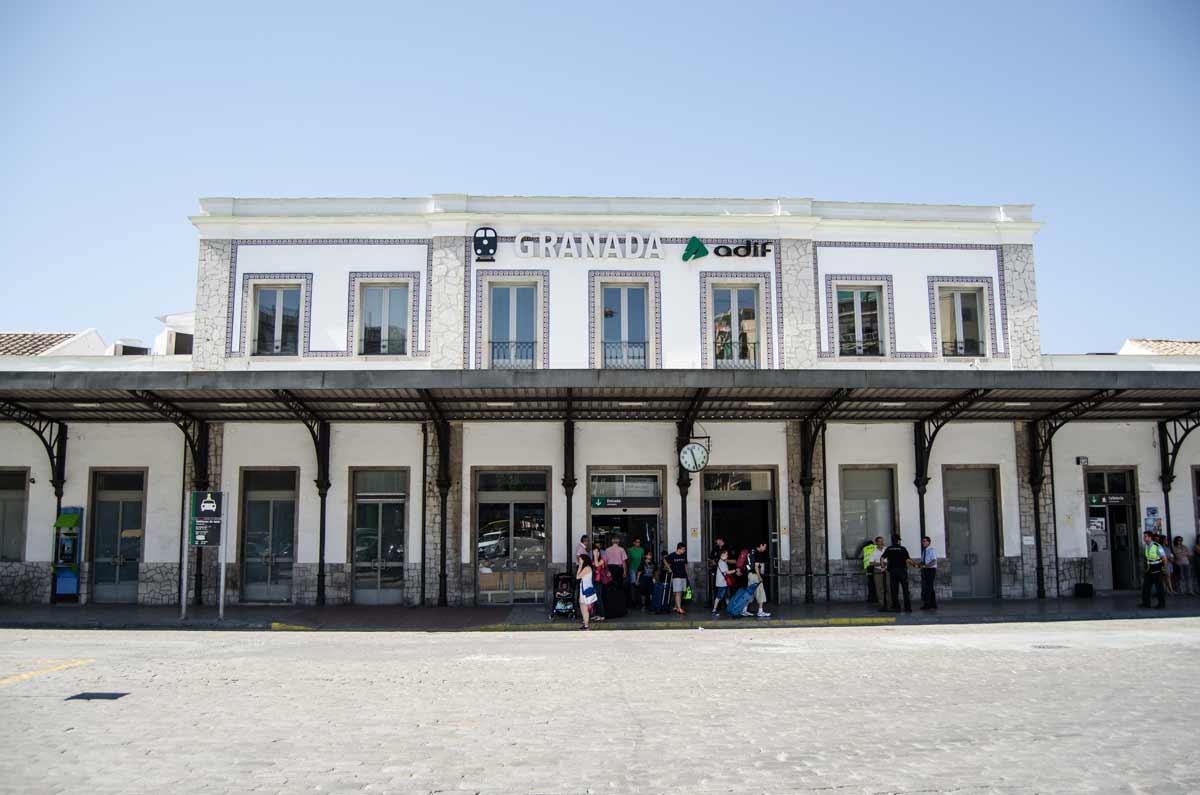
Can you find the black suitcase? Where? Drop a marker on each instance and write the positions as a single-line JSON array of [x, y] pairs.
[[616, 602], [1084, 590]]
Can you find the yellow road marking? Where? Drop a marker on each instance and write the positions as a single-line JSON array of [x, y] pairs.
[[281, 627], [8, 680]]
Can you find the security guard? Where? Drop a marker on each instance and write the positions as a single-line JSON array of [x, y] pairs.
[[1156, 569], [867, 551]]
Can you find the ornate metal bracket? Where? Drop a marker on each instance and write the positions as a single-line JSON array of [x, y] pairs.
[[195, 433], [1043, 430], [925, 431], [51, 433], [1171, 434], [810, 428]]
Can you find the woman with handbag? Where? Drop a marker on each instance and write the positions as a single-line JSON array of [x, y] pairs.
[[587, 588], [601, 576]]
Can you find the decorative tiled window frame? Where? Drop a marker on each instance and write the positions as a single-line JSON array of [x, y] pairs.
[[824, 353], [383, 278], [485, 275], [763, 280], [988, 286], [884, 281], [468, 259], [595, 277], [336, 241], [251, 281]]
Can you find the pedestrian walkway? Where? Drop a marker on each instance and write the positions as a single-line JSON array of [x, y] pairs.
[[535, 618]]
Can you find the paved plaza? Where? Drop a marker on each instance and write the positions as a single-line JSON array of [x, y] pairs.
[[1105, 706]]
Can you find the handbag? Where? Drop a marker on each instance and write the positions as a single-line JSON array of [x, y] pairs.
[[604, 575], [687, 594]]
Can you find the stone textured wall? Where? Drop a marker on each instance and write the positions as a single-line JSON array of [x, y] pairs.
[[158, 584], [212, 298], [460, 580], [1025, 500], [799, 315], [1020, 294], [337, 584], [794, 592], [446, 342], [26, 583]]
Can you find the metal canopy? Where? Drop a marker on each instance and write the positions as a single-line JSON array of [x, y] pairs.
[[661, 395]]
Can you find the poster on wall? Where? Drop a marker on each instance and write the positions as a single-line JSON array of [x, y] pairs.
[[1154, 525]]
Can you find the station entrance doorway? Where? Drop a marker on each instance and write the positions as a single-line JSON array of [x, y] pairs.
[[1113, 537], [971, 538], [739, 507], [627, 505], [510, 537]]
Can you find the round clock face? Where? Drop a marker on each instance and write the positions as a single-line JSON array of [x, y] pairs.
[[693, 457]]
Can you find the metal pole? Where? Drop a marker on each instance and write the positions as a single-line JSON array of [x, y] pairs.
[[1166, 477], [221, 575], [183, 568]]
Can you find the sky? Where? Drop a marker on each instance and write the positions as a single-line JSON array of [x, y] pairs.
[[116, 117]]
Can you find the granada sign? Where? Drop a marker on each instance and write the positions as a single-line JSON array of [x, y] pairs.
[[588, 246]]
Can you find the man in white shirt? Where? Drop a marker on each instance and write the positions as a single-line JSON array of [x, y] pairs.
[[875, 562], [928, 575]]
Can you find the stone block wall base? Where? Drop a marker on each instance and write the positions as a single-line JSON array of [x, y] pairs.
[[158, 584], [26, 583], [337, 584]]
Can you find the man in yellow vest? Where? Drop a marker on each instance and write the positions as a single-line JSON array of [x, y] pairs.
[[867, 551], [1155, 571]]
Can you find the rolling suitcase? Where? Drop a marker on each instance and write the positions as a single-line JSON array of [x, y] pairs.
[[616, 601], [661, 597], [738, 602]]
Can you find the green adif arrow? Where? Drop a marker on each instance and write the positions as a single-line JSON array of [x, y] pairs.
[[695, 249]]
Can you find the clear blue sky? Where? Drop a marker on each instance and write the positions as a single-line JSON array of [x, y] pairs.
[[116, 117]]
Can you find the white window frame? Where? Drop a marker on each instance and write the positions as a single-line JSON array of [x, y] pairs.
[[982, 307], [651, 285], [624, 287], [409, 330], [486, 325], [711, 331], [257, 288], [858, 290]]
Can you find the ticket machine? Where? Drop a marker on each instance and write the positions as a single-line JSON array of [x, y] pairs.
[[68, 548]]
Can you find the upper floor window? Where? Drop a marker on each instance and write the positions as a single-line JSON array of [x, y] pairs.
[[513, 325], [859, 321], [735, 330], [958, 310], [624, 325], [277, 320], [385, 313]]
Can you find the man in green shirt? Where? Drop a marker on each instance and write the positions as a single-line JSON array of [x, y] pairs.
[[636, 553]]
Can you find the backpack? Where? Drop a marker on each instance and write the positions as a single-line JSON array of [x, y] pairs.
[[743, 559]]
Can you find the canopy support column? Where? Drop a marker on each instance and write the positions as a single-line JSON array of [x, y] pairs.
[[319, 430]]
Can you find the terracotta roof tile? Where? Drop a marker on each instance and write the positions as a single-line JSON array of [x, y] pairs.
[[19, 344], [1167, 347]]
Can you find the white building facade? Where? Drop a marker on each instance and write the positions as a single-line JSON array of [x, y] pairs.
[[429, 400]]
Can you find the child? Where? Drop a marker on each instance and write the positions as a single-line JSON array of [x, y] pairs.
[[721, 582]]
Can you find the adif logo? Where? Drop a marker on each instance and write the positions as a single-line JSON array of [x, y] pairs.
[[695, 249]]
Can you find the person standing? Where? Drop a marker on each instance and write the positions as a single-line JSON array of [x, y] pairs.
[[616, 558], [878, 574], [587, 587], [677, 563], [867, 551], [1169, 554], [636, 553], [928, 575], [1155, 570], [715, 582], [897, 560], [1183, 566], [601, 577], [721, 581], [759, 564], [582, 547]]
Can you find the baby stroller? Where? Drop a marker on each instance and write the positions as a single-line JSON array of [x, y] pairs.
[[564, 596]]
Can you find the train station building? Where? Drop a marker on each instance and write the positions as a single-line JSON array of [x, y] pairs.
[[427, 401]]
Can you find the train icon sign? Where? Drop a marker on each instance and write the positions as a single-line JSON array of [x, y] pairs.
[[485, 244]]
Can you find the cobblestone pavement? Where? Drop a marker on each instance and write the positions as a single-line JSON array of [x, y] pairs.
[[981, 708]]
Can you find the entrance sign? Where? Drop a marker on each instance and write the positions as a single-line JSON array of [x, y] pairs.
[[576, 245], [1107, 499], [206, 518], [626, 502]]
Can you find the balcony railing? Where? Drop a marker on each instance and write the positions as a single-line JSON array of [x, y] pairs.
[[513, 355], [964, 348], [865, 347], [624, 355], [735, 355]]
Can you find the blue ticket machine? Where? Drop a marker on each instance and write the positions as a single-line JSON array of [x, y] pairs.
[[68, 546]]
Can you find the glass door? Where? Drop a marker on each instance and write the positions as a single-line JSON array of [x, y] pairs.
[[378, 552], [269, 536], [510, 538], [117, 536]]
